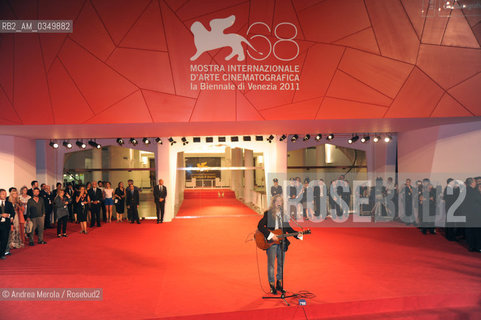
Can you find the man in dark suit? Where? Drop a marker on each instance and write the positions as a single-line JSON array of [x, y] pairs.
[[132, 201], [34, 185], [160, 193], [471, 208], [47, 197], [7, 213], [96, 196]]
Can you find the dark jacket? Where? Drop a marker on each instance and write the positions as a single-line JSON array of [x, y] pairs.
[[96, 195], [471, 207], [35, 209], [8, 208], [132, 199], [159, 194], [61, 209], [267, 224], [48, 200]]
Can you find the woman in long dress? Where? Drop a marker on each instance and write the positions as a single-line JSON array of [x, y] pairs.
[[120, 201], [15, 239], [23, 197]]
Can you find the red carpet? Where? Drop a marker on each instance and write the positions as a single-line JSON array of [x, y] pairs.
[[208, 193], [204, 268]]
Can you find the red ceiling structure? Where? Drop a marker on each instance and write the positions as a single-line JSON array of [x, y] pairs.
[[129, 61]]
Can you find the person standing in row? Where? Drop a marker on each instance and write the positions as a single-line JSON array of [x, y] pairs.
[[109, 200], [34, 185], [71, 193], [7, 214], [120, 201], [82, 201], [133, 204], [23, 197], [61, 202], [96, 196], [160, 193], [36, 214], [16, 235], [46, 195]]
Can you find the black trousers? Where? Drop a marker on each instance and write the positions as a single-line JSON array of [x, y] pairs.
[[62, 225], [160, 206], [104, 212], [133, 214], [95, 210], [4, 233], [48, 213], [473, 238]]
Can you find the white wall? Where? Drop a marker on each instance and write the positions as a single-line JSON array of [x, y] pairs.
[[17, 162], [7, 171], [441, 152]]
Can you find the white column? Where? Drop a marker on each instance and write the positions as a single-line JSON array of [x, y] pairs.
[[96, 164], [248, 175], [236, 175], [165, 166], [180, 181]]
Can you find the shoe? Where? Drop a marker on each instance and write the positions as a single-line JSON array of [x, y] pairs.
[[158, 221], [3, 257], [65, 235], [273, 289], [59, 236], [42, 242], [279, 286], [138, 222], [31, 244]]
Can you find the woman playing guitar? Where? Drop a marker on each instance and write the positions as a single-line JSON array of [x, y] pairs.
[[275, 223]]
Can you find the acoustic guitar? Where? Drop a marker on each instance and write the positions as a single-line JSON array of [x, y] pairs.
[[264, 244]]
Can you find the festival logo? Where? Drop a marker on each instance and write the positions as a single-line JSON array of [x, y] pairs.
[[216, 38], [261, 42]]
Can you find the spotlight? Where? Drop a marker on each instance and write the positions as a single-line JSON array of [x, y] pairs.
[[283, 137], [184, 141], [259, 138], [133, 141], [319, 137], [146, 141], [158, 140], [234, 139], [67, 145], [270, 138], [294, 138], [353, 139], [330, 137], [221, 139], [172, 141], [94, 144], [120, 141], [53, 144], [365, 139], [387, 138], [80, 144], [196, 139], [209, 139], [247, 138], [376, 139], [306, 137]]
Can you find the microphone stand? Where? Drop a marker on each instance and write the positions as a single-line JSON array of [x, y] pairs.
[[283, 295]]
